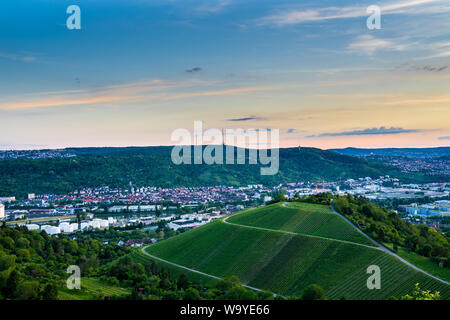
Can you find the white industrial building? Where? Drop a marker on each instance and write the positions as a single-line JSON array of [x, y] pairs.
[[143, 208], [2, 211], [66, 227], [32, 226], [51, 230]]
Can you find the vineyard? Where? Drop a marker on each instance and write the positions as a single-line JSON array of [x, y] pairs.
[[92, 289], [101, 288], [301, 218], [287, 263]]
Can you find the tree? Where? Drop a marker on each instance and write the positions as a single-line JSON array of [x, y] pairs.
[[227, 283], [183, 281], [238, 292], [28, 290], [7, 262], [11, 284], [154, 268], [191, 294], [419, 294], [395, 247], [7, 243], [313, 292], [50, 292], [22, 243], [426, 250]]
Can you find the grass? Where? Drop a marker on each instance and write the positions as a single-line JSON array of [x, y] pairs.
[[66, 294], [422, 262], [92, 289], [102, 288], [287, 263], [301, 218], [138, 256]]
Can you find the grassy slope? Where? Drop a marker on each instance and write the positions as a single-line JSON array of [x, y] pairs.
[[422, 262], [91, 289], [286, 263], [301, 218], [138, 256]]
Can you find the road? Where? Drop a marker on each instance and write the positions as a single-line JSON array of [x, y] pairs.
[[292, 233], [383, 248], [189, 269]]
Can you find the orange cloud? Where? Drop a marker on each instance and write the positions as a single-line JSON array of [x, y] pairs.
[[57, 103]]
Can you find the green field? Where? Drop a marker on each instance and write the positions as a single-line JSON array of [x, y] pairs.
[[301, 218], [286, 263], [138, 256], [92, 289], [422, 262]]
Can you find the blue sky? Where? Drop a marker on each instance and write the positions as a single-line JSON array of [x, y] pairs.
[[139, 69]]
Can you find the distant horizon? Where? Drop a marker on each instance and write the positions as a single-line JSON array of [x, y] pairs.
[[170, 146]]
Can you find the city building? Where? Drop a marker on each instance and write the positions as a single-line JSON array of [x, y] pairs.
[[2, 211], [439, 208], [7, 199]]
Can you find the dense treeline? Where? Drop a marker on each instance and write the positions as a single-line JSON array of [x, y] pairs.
[[153, 166], [387, 227], [33, 265], [149, 282]]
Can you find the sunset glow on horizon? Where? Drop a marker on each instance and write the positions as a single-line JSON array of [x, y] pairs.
[[138, 70]]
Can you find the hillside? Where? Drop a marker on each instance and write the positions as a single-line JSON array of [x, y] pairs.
[[285, 249], [116, 167], [315, 220]]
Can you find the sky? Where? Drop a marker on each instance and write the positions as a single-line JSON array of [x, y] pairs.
[[137, 70]]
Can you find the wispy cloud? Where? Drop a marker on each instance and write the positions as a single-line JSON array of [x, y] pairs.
[[416, 100], [391, 99], [249, 118], [421, 68], [297, 16], [17, 57], [368, 131], [225, 92], [214, 6], [369, 44], [196, 69], [128, 92], [444, 138], [439, 49], [140, 91]]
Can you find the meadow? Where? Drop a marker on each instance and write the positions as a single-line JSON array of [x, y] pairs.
[[301, 218], [92, 289]]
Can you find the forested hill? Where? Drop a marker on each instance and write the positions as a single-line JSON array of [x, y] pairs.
[[152, 166]]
